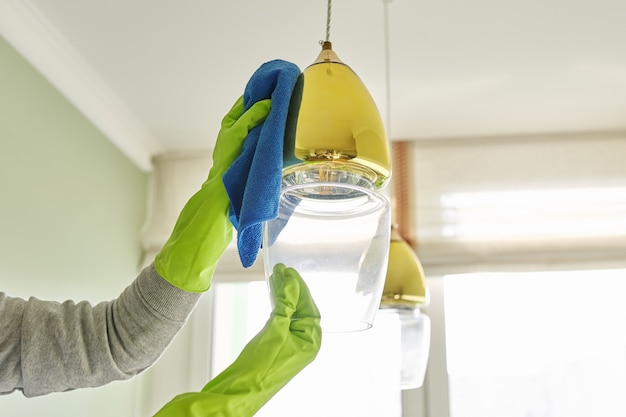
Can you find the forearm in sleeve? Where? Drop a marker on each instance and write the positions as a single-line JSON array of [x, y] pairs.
[[64, 346]]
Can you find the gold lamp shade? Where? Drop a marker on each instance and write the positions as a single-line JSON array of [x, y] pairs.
[[338, 121], [405, 285]]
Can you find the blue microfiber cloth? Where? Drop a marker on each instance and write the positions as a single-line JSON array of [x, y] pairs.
[[253, 181]]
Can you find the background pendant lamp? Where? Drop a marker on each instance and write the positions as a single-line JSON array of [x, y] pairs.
[[333, 225], [405, 292]]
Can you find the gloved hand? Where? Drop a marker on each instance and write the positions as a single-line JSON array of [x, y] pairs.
[[203, 229], [288, 342]]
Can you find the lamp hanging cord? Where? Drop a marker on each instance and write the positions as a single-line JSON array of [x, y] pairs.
[[328, 12], [326, 43]]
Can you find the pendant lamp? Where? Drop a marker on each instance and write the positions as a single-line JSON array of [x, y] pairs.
[[405, 292], [333, 225]]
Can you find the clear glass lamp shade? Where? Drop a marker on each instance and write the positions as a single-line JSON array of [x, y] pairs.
[[336, 235], [414, 345], [404, 293]]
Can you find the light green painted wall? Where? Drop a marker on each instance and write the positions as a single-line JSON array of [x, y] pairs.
[[71, 211]]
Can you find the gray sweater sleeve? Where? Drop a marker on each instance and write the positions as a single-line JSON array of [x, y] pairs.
[[51, 347]]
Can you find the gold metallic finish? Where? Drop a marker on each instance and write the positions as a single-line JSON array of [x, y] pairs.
[[338, 119], [405, 284]]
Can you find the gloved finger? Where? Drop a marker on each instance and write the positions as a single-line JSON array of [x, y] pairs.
[[257, 112], [306, 306], [285, 291], [289, 288], [293, 299], [305, 323], [253, 116], [233, 114], [235, 128]]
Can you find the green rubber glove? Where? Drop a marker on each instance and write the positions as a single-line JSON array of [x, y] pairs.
[[288, 342], [203, 229]]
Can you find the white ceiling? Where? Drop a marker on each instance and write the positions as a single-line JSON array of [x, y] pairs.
[[158, 75]]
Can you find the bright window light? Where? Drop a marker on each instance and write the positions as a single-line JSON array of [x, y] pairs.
[[548, 344], [575, 212], [354, 374]]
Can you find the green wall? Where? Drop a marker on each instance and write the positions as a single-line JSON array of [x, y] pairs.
[[71, 211]]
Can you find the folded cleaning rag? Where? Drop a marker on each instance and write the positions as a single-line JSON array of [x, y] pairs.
[[253, 181]]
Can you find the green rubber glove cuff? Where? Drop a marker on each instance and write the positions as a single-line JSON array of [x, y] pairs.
[[203, 230], [288, 342]]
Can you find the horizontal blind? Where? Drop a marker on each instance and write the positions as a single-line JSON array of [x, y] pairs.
[[510, 200]]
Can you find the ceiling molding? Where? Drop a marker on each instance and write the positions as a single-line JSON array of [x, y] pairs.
[[30, 33]]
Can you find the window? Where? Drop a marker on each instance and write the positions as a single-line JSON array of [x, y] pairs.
[[541, 344], [535, 213], [523, 241]]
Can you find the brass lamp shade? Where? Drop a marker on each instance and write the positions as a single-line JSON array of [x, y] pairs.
[[338, 120], [405, 285]]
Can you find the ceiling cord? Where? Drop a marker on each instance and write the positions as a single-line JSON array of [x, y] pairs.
[[387, 66], [328, 13]]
